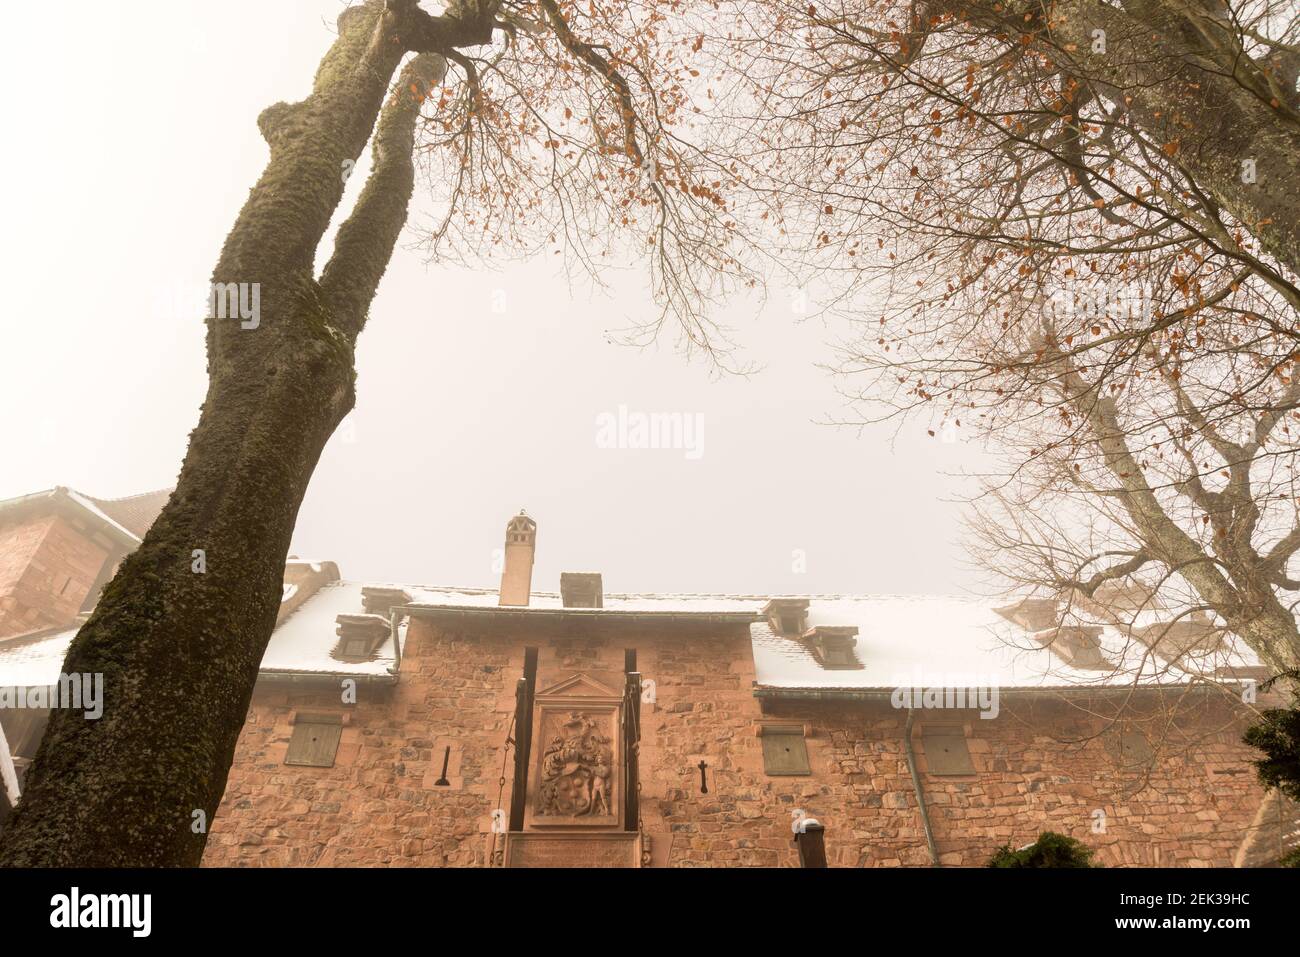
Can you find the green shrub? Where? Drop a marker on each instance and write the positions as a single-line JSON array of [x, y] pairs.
[[1278, 736], [1050, 850]]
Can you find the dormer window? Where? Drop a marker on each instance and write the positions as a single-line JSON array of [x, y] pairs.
[[1033, 614], [355, 648], [379, 600], [360, 636], [787, 616], [1077, 645], [832, 645], [838, 656], [1194, 635]]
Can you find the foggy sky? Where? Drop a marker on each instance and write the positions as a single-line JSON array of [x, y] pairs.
[[478, 392]]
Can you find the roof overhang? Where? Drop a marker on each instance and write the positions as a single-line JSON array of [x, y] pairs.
[[326, 677], [885, 694], [521, 613], [72, 503]]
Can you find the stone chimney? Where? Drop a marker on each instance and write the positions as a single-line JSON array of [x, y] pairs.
[[517, 575], [581, 590]]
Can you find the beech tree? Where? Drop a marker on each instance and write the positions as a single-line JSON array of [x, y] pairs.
[[544, 125], [1070, 229]]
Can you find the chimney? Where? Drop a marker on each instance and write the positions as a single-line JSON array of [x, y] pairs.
[[582, 590], [517, 575]]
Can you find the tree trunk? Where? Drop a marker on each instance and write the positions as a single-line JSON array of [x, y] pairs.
[[179, 648]]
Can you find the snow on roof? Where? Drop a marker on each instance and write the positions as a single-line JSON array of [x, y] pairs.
[[303, 642], [34, 662], [942, 641], [135, 512], [129, 517], [902, 641], [103, 516], [445, 597]]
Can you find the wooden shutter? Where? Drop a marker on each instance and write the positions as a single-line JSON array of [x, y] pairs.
[[315, 740], [784, 749], [946, 751], [1130, 748]]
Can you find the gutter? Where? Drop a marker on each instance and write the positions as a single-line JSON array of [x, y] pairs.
[[885, 694], [510, 612], [304, 677], [920, 793]]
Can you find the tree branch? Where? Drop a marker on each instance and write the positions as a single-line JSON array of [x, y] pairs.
[[366, 239]]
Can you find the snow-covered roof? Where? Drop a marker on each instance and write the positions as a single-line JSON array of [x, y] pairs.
[[902, 641], [944, 641], [303, 643], [443, 597], [36, 661], [134, 512]]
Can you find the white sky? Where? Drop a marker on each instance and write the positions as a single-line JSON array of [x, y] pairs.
[[125, 167]]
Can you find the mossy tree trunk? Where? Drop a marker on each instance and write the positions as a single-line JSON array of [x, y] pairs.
[[180, 649]]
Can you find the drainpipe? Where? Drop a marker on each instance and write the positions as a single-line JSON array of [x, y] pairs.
[[393, 617], [916, 786], [9, 774]]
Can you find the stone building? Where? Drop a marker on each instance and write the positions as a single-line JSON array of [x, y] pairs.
[[415, 725]]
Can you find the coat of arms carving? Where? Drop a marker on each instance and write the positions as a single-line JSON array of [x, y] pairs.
[[577, 769], [577, 756]]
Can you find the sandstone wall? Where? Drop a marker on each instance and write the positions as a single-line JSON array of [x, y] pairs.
[[378, 805]]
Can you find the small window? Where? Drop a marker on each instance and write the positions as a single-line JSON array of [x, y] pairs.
[[315, 740], [355, 648], [946, 751], [837, 655], [784, 749]]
